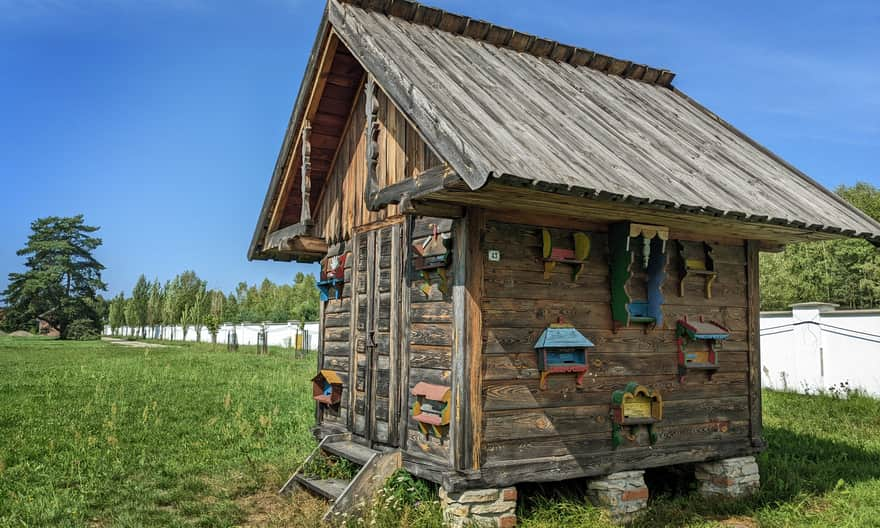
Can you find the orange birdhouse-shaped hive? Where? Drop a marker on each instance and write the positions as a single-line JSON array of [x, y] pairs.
[[327, 387], [431, 408]]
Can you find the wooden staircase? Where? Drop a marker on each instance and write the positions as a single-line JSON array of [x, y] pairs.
[[347, 497]]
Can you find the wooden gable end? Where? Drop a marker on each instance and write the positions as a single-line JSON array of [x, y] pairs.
[[325, 162], [403, 154]]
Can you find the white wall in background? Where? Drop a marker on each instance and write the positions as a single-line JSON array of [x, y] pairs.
[[279, 334], [816, 347]]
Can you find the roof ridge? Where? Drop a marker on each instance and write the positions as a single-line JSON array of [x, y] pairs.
[[509, 38]]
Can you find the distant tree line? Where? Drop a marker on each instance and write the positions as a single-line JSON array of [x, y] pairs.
[[845, 272], [187, 301]]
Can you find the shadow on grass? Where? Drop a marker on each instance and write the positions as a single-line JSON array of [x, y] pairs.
[[794, 465]]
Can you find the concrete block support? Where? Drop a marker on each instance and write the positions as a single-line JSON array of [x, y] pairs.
[[623, 494], [490, 508], [731, 477]]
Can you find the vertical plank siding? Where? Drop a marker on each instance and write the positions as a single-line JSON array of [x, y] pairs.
[[754, 361], [377, 383], [402, 154], [522, 421]]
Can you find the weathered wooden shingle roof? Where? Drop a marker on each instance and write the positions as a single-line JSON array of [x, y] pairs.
[[495, 103]]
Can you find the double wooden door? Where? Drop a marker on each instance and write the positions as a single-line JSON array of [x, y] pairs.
[[376, 336]]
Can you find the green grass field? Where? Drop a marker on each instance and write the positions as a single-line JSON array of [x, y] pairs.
[[93, 434]]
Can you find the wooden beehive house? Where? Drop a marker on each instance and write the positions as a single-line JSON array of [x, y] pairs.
[[481, 183]]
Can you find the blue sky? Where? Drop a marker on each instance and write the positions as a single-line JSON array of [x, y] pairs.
[[161, 120]]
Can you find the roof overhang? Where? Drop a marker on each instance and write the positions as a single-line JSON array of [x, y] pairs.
[[295, 242], [482, 176], [696, 177], [257, 251]]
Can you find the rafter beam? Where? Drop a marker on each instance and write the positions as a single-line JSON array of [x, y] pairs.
[[311, 110]]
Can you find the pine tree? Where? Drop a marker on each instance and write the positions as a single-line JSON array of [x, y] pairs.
[[63, 277]]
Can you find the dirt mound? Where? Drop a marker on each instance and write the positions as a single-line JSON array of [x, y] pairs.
[[2, 333], [21, 333]]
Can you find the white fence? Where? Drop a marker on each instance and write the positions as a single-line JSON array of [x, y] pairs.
[[811, 348], [815, 347], [288, 335]]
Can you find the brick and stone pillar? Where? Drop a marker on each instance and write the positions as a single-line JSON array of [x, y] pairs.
[[731, 477], [490, 508], [623, 494]]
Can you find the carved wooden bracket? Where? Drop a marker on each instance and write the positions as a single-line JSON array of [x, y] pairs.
[[371, 188], [306, 209]]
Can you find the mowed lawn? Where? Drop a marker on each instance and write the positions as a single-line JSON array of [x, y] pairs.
[[104, 435], [93, 434]]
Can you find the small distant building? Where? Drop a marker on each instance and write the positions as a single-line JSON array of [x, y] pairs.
[[45, 326]]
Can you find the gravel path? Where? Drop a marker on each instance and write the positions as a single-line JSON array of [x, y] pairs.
[[132, 344]]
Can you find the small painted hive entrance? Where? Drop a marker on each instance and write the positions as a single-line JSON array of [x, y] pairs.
[[332, 277], [562, 349], [432, 255], [697, 342], [637, 266], [634, 406], [327, 387], [431, 408]]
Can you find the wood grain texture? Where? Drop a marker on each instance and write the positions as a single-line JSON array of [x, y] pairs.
[[341, 208], [430, 339], [518, 304], [753, 288], [473, 330], [404, 360], [643, 143], [461, 428], [538, 200]]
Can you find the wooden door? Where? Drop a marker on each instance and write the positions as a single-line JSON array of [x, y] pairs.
[[376, 342]]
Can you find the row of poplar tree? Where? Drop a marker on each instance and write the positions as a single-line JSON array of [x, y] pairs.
[[187, 301]]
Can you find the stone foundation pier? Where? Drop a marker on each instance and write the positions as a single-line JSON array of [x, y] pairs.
[[623, 494], [489, 508], [731, 477]]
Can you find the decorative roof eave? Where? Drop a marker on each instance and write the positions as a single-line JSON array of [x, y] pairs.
[[593, 194], [509, 38]]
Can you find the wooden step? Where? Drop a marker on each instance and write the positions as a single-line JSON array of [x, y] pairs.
[[364, 486], [351, 451], [329, 488]]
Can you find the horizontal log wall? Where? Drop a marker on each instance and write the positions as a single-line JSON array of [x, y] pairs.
[[402, 154], [521, 421]]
